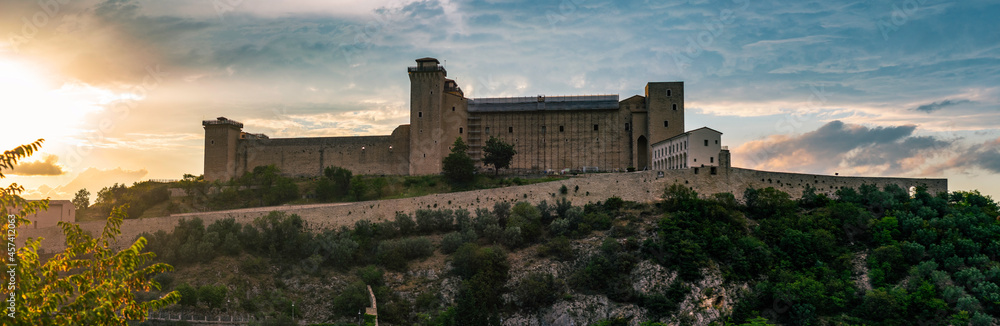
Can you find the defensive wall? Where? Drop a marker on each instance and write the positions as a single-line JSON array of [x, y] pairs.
[[309, 156], [646, 186]]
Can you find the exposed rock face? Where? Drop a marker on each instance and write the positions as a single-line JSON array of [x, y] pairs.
[[707, 301]]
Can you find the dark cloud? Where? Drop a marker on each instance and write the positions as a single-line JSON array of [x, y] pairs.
[[48, 166], [984, 156], [837, 146], [939, 105]]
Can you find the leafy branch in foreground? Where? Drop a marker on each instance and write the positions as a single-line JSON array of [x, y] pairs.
[[89, 283]]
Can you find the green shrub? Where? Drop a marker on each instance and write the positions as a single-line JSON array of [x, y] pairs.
[[598, 221], [538, 290], [189, 295], [351, 299], [395, 254], [558, 248], [405, 224], [212, 296], [453, 240], [512, 237], [563, 190]]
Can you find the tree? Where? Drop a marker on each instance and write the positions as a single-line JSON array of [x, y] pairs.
[[88, 283], [82, 199], [458, 166], [336, 184], [498, 154]]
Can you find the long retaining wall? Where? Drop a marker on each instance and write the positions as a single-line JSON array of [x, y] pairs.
[[635, 186]]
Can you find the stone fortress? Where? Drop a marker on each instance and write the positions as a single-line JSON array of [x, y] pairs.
[[592, 133], [550, 133]]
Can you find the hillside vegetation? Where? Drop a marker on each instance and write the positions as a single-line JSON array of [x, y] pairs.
[[867, 257]]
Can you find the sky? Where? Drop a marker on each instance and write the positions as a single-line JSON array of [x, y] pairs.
[[118, 88]]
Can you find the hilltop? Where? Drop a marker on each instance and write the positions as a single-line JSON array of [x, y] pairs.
[[863, 256]]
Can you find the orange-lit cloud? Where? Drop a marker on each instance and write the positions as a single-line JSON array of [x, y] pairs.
[[48, 166]]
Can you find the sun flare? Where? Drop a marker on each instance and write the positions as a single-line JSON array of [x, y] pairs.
[[35, 103]]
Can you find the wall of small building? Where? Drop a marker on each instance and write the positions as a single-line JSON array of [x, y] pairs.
[[700, 154], [577, 146], [59, 211]]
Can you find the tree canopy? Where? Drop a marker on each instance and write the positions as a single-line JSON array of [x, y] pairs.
[[89, 283], [498, 153], [458, 166]]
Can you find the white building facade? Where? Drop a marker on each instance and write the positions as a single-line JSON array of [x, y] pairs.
[[695, 148]]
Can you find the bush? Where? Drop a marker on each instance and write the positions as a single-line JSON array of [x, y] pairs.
[[528, 219], [538, 290], [352, 299], [405, 224], [453, 240], [213, 296], [395, 254], [563, 190], [558, 248], [189, 295], [512, 237], [484, 219], [371, 275], [598, 221], [502, 212]]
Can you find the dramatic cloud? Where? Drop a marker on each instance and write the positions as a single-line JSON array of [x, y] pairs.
[[842, 147], [48, 166], [985, 156], [319, 68], [939, 105]]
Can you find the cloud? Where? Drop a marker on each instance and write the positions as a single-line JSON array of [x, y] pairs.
[[939, 105], [48, 166], [985, 156], [846, 148], [92, 179]]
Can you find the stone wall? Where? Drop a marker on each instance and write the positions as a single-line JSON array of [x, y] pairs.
[[635, 186], [309, 156], [541, 145]]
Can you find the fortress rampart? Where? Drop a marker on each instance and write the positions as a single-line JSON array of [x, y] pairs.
[[644, 186], [309, 156]]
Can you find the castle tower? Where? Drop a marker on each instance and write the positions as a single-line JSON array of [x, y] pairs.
[[221, 139], [427, 81], [665, 104]]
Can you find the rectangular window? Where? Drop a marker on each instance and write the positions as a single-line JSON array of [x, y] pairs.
[[487, 130], [668, 93], [420, 114], [716, 142], [626, 126], [675, 107], [543, 129], [460, 129], [560, 128], [510, 130], [711, 159], [706, 142], [665, 124], [595, 127]]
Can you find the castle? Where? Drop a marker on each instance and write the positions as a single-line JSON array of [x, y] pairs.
[[550, 133]]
